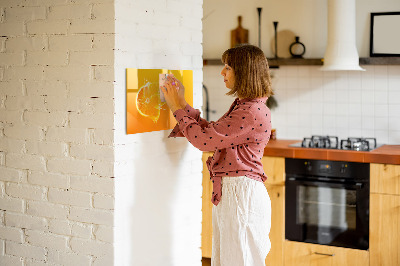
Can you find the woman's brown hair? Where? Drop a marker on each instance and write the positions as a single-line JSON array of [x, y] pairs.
[[250, 66]]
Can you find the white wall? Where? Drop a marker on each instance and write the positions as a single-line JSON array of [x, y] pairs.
[[56, 132], [305, 18], [158, 180], [311, 102]]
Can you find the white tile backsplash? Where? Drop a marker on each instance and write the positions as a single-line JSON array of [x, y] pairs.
[[382, 110], [367, 97], [394, 96], [381, 122], [393, 71], [342, 109], [342, 123], [304, 82], [381, 71], [381, 97], [343, 103], [368, 110], [367, 123], [394, 124], [382, 136], [354, 80], [292, 83], [329, 109], [393, 110], [394, 82], [381, 83]]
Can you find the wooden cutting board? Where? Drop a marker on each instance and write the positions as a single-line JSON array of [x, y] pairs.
[[239, 35]]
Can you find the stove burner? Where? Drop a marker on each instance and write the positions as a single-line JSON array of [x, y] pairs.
[[328, 142], [358, 144], [332, 142]]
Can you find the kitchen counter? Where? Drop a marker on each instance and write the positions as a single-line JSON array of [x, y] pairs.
[[389, 154]]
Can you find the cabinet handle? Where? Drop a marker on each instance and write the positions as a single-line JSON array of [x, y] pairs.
[[324, 254]]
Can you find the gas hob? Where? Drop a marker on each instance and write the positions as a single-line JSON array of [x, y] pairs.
[[332, 142]]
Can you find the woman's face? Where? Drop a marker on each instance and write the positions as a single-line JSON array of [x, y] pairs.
[[229, 76]]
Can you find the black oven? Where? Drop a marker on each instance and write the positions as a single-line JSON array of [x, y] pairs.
[[327, 202]]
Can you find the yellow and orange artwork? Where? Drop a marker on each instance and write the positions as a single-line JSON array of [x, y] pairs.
[[145, 109]]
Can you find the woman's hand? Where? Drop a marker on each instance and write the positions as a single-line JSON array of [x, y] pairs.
[[181, 91], [174, 94]]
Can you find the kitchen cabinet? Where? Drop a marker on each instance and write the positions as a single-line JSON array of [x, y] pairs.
[[274, 168], [305, 254], [385, 229], [385, 178], [385, 214], [277, 233]]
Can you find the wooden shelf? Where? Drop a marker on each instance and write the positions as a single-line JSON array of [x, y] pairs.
[[212, 62], [274, 63], [380, 61]]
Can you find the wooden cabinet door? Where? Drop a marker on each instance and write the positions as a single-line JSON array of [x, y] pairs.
[[385, 178], [274, 168], [206, 226], [304, 254], [277, 233], [384, 236]]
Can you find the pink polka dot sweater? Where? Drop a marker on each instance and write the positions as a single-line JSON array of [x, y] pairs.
[[238, 139]]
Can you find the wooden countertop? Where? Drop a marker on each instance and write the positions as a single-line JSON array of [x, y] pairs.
[[389, 154]]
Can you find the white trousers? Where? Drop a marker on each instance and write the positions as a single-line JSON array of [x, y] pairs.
[[241, 223]]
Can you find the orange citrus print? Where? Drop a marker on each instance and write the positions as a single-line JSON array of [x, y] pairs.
[[148, 101], [145, 111]]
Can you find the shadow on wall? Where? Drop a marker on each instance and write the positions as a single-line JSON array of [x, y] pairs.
[[156, 176]]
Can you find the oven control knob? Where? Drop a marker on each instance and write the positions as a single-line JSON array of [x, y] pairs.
[[343, 168], [308, 166]]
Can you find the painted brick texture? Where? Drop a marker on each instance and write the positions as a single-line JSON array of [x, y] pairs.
[[56, 132], [63, 137]]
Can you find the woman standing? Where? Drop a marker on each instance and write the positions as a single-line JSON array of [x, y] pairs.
[[242, 208]]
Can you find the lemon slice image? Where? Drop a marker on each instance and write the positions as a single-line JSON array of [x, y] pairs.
[[148, 101]]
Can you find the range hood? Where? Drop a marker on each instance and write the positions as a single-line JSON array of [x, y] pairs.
[[341, 51]]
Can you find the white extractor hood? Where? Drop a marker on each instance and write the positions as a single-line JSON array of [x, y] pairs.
[[341, 51]]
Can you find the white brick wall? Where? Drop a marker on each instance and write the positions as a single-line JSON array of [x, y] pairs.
[[25, 251], [56, 132], [62, 138], [25, 221], [68, 258], [156, 177], [47, 210]]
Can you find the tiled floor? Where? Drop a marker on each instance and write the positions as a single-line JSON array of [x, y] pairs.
[[206, 261]]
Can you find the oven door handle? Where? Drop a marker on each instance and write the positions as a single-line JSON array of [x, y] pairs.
[[357, 185]]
